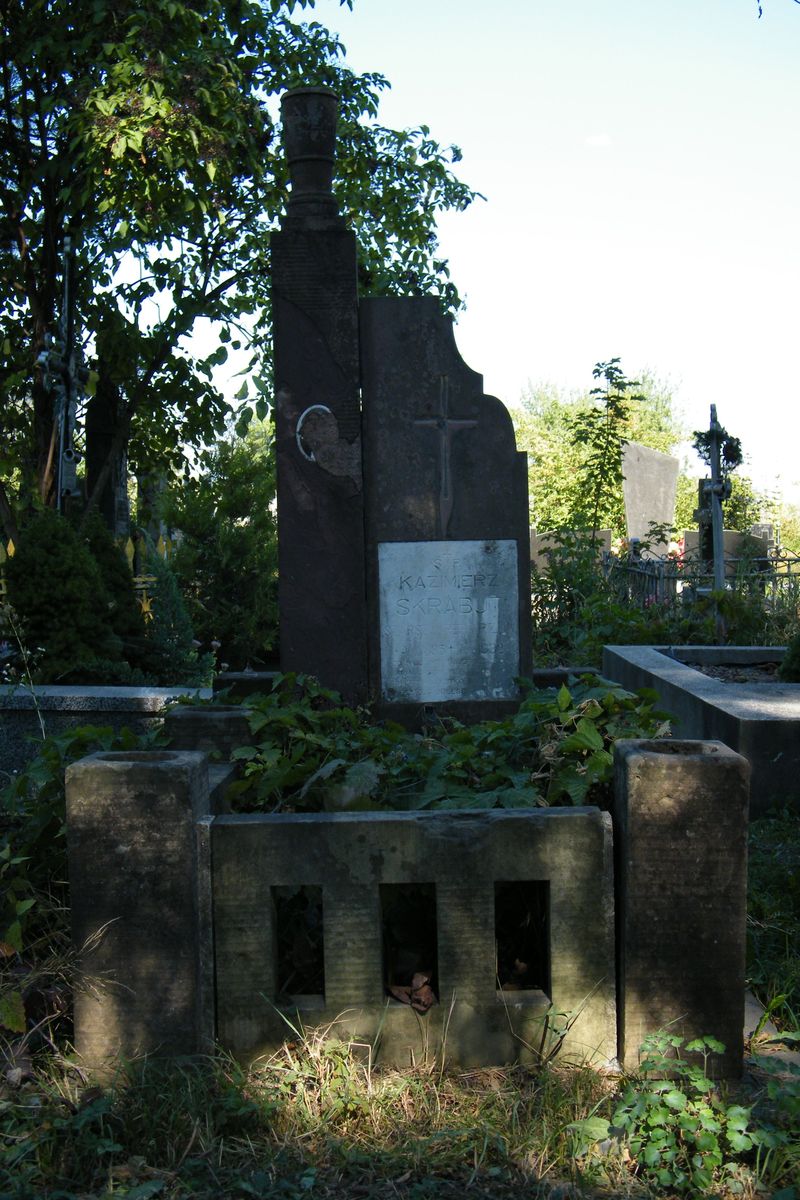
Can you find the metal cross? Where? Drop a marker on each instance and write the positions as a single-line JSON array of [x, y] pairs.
[[446, 427], [63, 374], [717, 491]]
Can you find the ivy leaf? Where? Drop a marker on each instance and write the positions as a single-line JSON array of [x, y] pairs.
[[324, 772], [585, 737], [12, 1012], [357, 790]]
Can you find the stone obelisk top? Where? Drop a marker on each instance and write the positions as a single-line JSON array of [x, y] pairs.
[[309, 117]]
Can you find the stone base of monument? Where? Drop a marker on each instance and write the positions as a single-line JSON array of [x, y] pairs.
[[475, 938], [760, 721], [371, 868]]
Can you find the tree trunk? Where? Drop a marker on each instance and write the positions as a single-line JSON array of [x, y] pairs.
[[103, 420]]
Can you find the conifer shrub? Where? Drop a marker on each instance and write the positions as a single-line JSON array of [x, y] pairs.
[[170, 653], [56, 588]]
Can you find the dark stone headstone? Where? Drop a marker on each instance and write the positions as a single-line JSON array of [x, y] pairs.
[[318, 437], [448, 568]]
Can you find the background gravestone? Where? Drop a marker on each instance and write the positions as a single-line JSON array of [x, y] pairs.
[[446, 494], [649, 482]]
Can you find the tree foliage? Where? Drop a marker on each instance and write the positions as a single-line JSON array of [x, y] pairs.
[[559, 460], [226, 560], [148, 131], [57, 588]]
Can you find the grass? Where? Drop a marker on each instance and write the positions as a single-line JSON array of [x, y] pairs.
[[773, 921], [314, 1120], [320, 1120]]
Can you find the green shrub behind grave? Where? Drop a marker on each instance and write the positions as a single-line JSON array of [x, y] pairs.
[[57, 590], [170, 654]]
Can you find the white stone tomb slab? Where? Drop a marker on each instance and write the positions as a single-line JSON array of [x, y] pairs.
[[448, 616]]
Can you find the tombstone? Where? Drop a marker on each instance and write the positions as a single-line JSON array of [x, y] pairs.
[[413, 589], [649, 482], [321, 589], [735, 545], [446, 490]]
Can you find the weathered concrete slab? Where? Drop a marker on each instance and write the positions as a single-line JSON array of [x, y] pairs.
[[216, 729], [462, 855], [139, 862], [760, 721], [680, 822]]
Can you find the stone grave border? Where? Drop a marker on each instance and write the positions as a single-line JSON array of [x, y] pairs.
[[760, 721], [63, 707], [171, 909]]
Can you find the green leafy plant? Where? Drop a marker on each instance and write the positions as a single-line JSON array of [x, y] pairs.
[[312, 753], [228, 532], [602, 430], [680, 1134]]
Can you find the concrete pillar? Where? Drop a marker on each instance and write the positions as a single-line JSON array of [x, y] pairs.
[[681, 818], [138, 848]]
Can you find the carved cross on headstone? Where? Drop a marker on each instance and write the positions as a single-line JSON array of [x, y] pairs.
[[446, 427]]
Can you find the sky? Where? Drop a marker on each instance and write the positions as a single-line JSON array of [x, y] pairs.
[[640, 165]]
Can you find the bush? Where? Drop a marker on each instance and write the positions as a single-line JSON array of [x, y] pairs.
[[311, 754], [58, 592], [123, 608], [577, 608], [227, 557], [170, 652]]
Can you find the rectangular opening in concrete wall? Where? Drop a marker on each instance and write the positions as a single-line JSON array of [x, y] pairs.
[[408, 932], [300, 943], [522, 935]]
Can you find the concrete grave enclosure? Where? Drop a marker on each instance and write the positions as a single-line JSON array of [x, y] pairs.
[[404, 562], [761, 721], [175, 907]]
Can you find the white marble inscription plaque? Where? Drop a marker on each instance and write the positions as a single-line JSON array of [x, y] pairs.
[[448, 620]]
